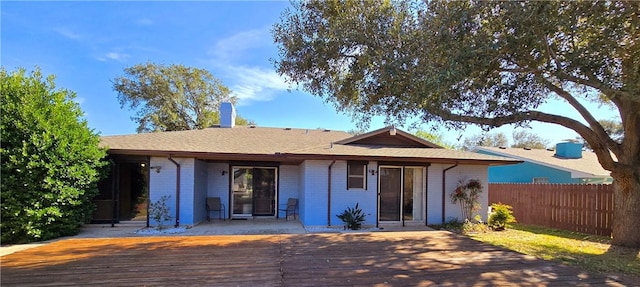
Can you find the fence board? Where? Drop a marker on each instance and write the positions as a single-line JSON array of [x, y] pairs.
[[586, 208]]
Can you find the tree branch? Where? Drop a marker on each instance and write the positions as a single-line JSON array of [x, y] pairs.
[[595, 125], [552, 55], [592, 80], [594, 140]]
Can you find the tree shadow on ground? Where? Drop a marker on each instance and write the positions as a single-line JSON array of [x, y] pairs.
[[366, 259]]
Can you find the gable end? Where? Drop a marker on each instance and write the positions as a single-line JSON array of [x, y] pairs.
[[389, 137]]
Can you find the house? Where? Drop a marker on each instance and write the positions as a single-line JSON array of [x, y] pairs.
[[567, 163], [395, 177]]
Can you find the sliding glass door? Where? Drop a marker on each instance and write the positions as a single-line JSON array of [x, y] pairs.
[[400, 192], [254, 191]]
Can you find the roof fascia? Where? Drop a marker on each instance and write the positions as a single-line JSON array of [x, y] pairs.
[[207, 156], [387, 129], [401, 159]]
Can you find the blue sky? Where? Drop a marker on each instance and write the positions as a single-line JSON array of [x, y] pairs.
[[88, 44]]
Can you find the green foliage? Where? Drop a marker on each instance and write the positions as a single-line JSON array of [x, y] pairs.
[[435, 138], [459, 61], [159, 211], [469, 227], [452, 224], [501, 215], [467, 194], [51, 161], [353, 217], [488, 63], [172, 98], [612, 127]]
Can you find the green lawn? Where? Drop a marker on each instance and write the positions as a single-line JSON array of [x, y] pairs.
[[593, 253]]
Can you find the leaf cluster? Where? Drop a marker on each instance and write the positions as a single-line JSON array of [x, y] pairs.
[[159, 211], [467, 195], [501, 215], [51, 159], [172, 97], [353, 217]]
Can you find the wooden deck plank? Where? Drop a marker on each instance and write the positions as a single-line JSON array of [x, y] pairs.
[[352, 259]]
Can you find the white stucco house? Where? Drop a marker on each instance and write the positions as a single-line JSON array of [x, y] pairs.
[[395, 177]]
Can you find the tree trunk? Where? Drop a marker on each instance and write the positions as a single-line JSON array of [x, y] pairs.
[[626, 209]]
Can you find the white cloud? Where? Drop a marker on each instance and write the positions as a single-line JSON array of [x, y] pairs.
[[255, 83], [252, 82], [234, 46], [67, 33], [115, 56]]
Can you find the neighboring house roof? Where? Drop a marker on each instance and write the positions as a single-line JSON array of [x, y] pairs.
[[584, 167], [255, 143]]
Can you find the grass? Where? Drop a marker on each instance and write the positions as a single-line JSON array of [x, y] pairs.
[[591, 252]]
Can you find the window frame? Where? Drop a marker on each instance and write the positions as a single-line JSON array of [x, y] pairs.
[[540, 180], [365, 166]]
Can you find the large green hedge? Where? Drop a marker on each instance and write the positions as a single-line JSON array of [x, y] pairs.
[[51, 161]]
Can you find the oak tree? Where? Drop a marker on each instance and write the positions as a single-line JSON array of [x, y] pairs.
[[478, 62], [173, 97]]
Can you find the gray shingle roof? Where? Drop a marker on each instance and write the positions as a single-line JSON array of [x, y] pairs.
[[240, 139], [262, 141]]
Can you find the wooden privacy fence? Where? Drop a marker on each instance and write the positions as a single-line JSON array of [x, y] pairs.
[[586, 208]]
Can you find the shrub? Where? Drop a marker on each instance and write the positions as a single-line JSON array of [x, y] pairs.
[[51, 160], [159, 211], [501, 215], [452, 224], [475, 226], [352, 217], [467, 194]]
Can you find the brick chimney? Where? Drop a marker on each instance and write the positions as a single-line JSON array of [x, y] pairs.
[[227, 115]]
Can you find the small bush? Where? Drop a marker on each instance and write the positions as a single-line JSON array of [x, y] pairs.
[[452, 224], [474, 227], [352, 217], [501, 216], [467, 194], [159, 211]]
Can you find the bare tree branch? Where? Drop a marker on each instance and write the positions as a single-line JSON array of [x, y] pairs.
[[595, 125]]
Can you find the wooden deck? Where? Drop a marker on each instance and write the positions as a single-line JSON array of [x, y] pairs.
[[350, 259]]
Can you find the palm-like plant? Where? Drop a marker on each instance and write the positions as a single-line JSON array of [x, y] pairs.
[[352, 217]]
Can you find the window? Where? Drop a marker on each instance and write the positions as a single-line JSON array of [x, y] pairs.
[[540, 180], [356, 175]]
